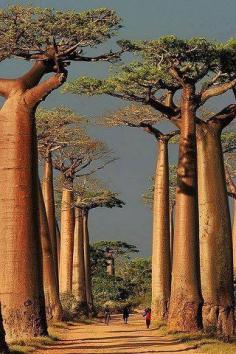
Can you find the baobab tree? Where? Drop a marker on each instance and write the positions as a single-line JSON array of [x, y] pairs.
[[52, 133], [82, 152], [145, 117], [50, 282], [197, 69], [91, 195], [115, 249], [229, 146], [148, 197], [51, 39]]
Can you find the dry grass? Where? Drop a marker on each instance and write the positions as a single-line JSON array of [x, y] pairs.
[[206, 343], [28, 345]]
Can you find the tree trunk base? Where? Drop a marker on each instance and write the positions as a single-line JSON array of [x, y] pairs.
[[160, 310], [26, 321], [81, 309], [185, 316], [218, 319], [54, 313]]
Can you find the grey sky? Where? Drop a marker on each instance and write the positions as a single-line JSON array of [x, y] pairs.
[[142, 19]]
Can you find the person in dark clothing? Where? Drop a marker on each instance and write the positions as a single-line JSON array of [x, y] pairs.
[[107, 315], [125, 314]]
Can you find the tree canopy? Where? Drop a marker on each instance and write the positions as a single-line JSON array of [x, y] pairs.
[[162, 68], [44, 33], [91, 193]]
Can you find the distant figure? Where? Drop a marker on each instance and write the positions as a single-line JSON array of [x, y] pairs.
[[107, 315], [147, 315], [125, 314]]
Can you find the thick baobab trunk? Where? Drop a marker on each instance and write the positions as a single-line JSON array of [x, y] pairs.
[[79, 286], [52, 301], [215, 233], [161, 271], [67, 241], [3, 346], [88, 280], [48, 196], [21, 284], [185, 302]]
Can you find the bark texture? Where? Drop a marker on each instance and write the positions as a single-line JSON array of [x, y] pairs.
[[3, 346], [58, 234], [172, 232], [52, 301], [21, 285], [79, 286], [185, 303], [67, 241], [215, 232], [48, 196], [161, 269], [87, 263]]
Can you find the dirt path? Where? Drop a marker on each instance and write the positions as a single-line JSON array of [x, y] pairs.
[[115, 338]]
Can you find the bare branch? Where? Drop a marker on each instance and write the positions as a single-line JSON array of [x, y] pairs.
[[215, 91], [225, 116]]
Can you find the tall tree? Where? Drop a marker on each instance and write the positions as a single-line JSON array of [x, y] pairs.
[[92, 195], [52, 133], [148, 197], [138, 116], [200, 69], [228, 139], [52, 301], [82, 153], [78, 277], [50, 38]]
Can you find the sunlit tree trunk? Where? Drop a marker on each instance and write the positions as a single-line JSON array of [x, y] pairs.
[[215, 232], [67, 241], [58, 234], [185, 303], [79, 285], [172, 231], [161, 274], [48, 196], [21, 284], [52, 301], [88, 279]]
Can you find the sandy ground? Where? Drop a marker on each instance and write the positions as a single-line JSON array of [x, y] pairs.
[[115, 338]]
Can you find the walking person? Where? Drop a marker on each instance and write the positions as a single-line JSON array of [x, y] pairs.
[[107, 315], [147, 315], [125, 314]]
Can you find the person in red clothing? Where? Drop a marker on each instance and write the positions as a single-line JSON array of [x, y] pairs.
[[147, 315]]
